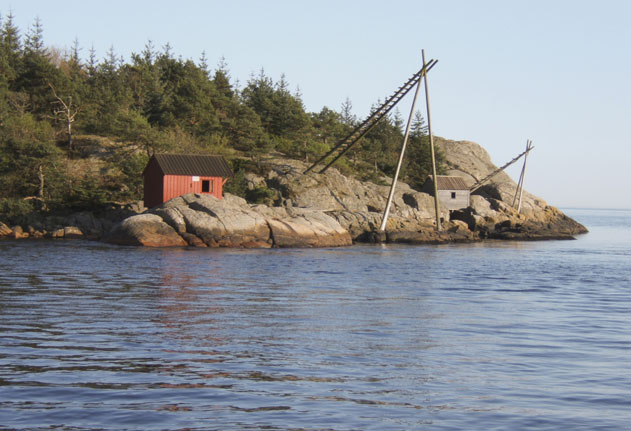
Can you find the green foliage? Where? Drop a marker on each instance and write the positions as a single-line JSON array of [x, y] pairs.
[[131, 168], [281, 114], [10, 49], [11, 209], [87, 194], [260, 195], [25, 145], [131, 126], [419, 159], [238, 185]]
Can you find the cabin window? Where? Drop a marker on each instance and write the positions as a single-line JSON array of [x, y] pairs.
[[206, 186], [453, 195]]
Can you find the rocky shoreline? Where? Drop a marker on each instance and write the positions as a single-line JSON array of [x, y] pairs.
[[90, 225], [204, 221], [319, 210]]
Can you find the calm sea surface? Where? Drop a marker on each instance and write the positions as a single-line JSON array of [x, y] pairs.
[[491, 336]]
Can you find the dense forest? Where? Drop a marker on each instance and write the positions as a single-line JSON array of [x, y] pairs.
[[77, 133]]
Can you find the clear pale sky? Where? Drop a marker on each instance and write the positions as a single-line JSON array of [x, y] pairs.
[[556, 72]]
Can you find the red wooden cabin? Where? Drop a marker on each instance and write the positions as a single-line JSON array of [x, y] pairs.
[[170, 175]]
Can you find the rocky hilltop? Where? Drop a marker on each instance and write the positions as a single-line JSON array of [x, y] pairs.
[[323, 210]]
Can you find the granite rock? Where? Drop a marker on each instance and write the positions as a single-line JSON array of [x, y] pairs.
[[144, 229], [203, 220]]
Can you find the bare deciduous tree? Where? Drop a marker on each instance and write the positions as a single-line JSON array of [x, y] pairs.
[[66, 111]]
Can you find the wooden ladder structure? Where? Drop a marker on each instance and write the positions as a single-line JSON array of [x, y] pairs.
[[479, 184], [360, 131]]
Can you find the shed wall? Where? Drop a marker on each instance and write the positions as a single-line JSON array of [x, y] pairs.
[[461, 200], [178, 185]]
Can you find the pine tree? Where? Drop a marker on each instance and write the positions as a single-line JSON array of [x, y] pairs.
[[149, 54], [221, 79], [203, 62], [10, 49], [34, 43], [36, 73], [346, 113], [92, 62], [74, 52], [418, 159], [327, 130]]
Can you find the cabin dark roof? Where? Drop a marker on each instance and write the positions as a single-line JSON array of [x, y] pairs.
[[187, 164], [449, 183]]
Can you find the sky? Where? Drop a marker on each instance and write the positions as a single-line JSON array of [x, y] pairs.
[[555, 72]]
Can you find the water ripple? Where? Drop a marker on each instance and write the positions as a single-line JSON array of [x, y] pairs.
[[484, 336]]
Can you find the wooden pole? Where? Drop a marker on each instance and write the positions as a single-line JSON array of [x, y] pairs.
[[386, 212], [519, 182], [521, 189], [431, 146]]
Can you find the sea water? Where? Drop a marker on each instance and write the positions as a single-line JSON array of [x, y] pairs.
[[486, 336]]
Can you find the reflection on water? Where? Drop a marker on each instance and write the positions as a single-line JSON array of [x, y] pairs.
[[497, 335]]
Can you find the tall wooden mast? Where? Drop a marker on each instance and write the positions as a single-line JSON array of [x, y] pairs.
[[431, 146], [386, 211]]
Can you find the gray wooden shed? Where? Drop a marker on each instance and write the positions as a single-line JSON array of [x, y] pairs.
[[453, 192]]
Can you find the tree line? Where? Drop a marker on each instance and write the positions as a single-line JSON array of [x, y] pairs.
[[79, 132]]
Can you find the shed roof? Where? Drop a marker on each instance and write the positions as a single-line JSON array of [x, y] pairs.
[[188, 164], [446, 182]]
